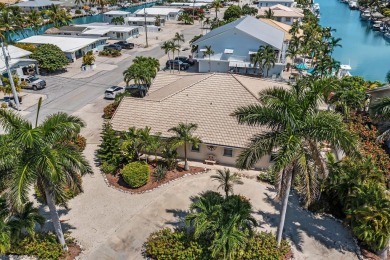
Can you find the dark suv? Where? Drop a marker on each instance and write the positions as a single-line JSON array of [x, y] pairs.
[[137, 90], [125, 45], [185, 60], [177, 64], [113, 47]]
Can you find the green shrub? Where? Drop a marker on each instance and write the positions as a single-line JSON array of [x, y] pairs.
[[4, 105], [160, 173], [268, 177], [110, 52], [136, 174], [50, 57], [168, 244], [43, 246], [108, 168], [77, 11], [263, 246], [109, 150]]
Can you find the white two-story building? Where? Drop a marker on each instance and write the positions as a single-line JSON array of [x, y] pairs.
[[269, 3], [283, 14], [234, 43]]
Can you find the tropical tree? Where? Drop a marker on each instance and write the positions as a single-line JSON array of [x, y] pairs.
[[157, 20], [233, 12], [50, 57], [142, 71], [216, 5], [268, 57], [380, 112], [185, 18], [45, 159], [207, 21], [58, 16], [247, 10], [257, 59], [388, 77], [194, 47], [167, 47], [154, 144], [183, 135], [179, 37], [297, 127], [118, 20], [226, 180], [208, 52], [34, 19]]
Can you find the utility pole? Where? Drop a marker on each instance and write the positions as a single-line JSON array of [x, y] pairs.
[[11, 80], [193, 12], [146, 28]]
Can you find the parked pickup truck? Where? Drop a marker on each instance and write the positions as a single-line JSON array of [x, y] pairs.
[[32, 82]]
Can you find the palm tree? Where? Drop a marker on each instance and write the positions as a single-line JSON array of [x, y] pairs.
[[294, 30], [201, 19], [380, 112], [216, 5], [208, 52], [269, 58], [157, 20], [185, 18], [5, 229], [45, 159], [207, 21], [118, 20], [154, 144], [257, 59], [388, 77], [226, 180], [179, 37], [26, 219], [34, 19], [167, 48], [269, 14], [296, 129], [183, 136]]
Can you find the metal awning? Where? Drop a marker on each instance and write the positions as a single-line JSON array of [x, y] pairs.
[[228, 51], [240, 64]]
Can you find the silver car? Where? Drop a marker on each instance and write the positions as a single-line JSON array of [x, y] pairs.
[[111, 92]]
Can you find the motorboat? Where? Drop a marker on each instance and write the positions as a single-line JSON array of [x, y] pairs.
[[353, 5], [387, 36], [344, 1], [344, 71], [377, 25], [316, 7], [365, 15]]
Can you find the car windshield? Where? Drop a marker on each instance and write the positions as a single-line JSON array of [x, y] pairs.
[[33, 78], [108, 92]]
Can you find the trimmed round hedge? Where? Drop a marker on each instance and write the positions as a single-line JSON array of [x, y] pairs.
[[136, 174]]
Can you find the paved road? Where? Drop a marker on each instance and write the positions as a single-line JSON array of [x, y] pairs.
[[69, 95]]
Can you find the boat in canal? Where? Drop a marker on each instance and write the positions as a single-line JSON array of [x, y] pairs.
[[353, 5], [365, 15], [316, 7]]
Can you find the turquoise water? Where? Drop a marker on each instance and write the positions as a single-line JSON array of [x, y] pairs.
[[22, 34], [367, 51]]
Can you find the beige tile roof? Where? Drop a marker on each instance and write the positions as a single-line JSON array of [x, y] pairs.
[[285, 27], [204, 99], [282, 11]]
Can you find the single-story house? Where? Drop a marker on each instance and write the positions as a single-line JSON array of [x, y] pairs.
[[377, 93], [74, 47], [269, 3], [188, 4], [283, 13], [205, 99], [114, 32], [234, 43], [70, 30], [19, 61], [108, 16], [140, 21], [165, 13], [37, 5]]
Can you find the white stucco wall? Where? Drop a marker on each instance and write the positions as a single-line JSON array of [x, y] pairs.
[[216, 66], [265, 3], [203, 153]]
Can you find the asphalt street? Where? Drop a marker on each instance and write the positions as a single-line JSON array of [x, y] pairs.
[[69, 95]]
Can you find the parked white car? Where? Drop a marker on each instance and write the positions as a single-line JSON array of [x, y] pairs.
[[111, 92]]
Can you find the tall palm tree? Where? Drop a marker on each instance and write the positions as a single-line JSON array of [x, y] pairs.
[[183, 136], [226, 180], [179, 37], [297, 127], [167, 48], [45, 159], [380, 112], [118, 20], [207, 21], [216, 5], [34, 19], [257, 59], [208, 52]]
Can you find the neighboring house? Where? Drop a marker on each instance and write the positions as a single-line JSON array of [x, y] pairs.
[[188, 5], [70, 30], [108, 16], [205, 99], [37, 5], [377, 93], [140, 21], [283, 14], [74, 47], [282, 26], [114, 32], [165, 13], [19, 61], [269, 3], [234, 43]]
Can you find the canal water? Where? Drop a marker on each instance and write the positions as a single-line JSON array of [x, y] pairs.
[[365, 50], [22, 34]]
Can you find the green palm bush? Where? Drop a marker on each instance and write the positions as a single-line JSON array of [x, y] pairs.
[[226, 180], [136, 174]]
